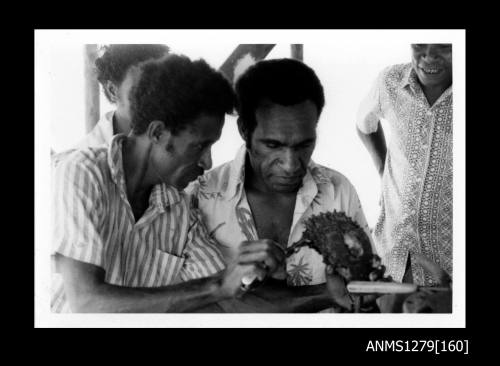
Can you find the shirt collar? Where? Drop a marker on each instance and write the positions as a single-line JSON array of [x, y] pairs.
[[161, 195], [409, 78], [236, 174], [316, 173], [115, 160], [313, 177], [105, 124]]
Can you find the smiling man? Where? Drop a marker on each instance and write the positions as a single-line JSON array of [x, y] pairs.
[[416, 167], [272, 185]]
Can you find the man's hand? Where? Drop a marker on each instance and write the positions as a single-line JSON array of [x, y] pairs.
[[337, 289], [429, 300], [376, 146], [426, 299], [255, 260], [265, 252], [439, 275]]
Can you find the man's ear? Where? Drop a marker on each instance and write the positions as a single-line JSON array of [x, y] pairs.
[[241, 129], [158, 133], [111, 90]]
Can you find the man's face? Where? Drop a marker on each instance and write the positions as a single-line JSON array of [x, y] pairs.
[[282, 144], [188, 154], [432, 63]]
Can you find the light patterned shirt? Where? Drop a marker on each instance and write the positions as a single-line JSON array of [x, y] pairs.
[[416, 212], [101, 134], [94, 223], [221, 198]]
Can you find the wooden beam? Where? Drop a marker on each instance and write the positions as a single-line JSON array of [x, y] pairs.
[[256, 51], [298, 51], [91, 87]]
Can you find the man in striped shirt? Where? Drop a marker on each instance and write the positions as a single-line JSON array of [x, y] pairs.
[[126, 238]]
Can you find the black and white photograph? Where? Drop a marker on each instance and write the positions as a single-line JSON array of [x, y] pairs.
[[250, 178]]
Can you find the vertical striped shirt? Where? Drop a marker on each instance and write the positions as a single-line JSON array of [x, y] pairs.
[[94, 223]]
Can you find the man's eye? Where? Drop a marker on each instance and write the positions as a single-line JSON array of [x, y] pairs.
[[271, 145]]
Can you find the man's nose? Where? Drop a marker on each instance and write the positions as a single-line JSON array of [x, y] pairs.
[[290, 162], [430, 52], [206, 160]]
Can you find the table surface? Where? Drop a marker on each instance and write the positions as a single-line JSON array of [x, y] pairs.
[[275, 297]]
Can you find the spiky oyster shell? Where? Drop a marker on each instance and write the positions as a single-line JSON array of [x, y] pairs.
[[326, 233]]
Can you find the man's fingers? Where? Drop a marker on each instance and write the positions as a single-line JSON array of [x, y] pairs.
[[437, 272], [263, 246], [253, 273], [278, 256], [337, 288], [259, 257], [368, 299], [260, 272]]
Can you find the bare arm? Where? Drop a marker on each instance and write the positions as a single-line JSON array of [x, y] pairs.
[[376, 146], [86, 290]]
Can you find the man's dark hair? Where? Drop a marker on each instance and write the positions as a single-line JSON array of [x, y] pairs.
[[281, 81], [118, 58], [176, 90]]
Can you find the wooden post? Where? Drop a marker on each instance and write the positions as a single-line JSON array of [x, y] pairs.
[[256, 51], [298, 51], [91, 87]]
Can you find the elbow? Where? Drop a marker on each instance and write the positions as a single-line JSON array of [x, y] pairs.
[[84, 304], [86, 301], [361, 134]]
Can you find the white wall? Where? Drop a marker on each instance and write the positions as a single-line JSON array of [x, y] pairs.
[[63, 93], [346, 62]]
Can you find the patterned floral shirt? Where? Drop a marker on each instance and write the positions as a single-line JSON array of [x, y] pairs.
[[221, 197], [416, 212]]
